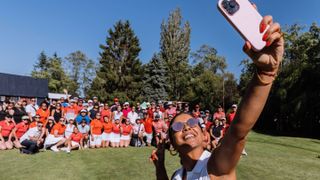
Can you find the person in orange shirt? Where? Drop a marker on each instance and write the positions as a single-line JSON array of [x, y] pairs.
[[116, 133], [43, 112], [56, 137], [105, 112], [125, 134], [35, 121], [71, 111], [147, 122], [96, 131], [6, 132], [107, 130], [74, 141], [20, 129]]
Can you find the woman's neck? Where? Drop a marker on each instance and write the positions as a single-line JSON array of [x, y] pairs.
[[190, 159]]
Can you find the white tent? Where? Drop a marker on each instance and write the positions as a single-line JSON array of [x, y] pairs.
[[57, 96]]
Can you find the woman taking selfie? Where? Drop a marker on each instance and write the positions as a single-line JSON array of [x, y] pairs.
[[189, 140]]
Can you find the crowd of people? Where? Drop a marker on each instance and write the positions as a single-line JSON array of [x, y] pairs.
[[70, 124]]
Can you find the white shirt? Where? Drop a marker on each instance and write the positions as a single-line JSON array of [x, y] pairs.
[[84, 129], [32, 132], [199, 171], [32, 109], [132, 116], [117, 115], [136, 128], [69, 130]]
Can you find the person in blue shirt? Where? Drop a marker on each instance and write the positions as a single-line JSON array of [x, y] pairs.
[[83, 116]]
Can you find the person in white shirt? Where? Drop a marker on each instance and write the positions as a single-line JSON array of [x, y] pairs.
[[189, 139], [32, 108], [31, 140], [132, 115], [69, 128]]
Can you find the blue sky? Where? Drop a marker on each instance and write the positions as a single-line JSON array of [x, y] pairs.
[[64, 26]]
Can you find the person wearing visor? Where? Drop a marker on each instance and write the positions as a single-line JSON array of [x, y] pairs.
[[20, 130], [189, 140]]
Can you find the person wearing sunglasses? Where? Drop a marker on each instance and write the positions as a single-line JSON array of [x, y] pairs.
[[190, 140], [31, 140], [20, 129]]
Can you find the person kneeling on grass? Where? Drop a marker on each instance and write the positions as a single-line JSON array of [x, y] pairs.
[[126, 133], [6, 132], [20, 130], [84, 129], [96, 131], [31, 140], [74, 141], [188, 138], [56, 136]]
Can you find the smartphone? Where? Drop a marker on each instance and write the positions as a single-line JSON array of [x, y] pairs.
[[245, 19]]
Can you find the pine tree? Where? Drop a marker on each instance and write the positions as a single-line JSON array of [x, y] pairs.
[[155, 80], [41, 67], [120, 70], [175, 48]]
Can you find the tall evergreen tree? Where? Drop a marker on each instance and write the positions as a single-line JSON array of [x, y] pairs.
[[155, 80], [40, 69], [175, 48], [120, 70]]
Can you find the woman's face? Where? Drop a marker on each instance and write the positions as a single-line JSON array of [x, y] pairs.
[[189, 137], [106, 119], [44, 106], [75, 130]]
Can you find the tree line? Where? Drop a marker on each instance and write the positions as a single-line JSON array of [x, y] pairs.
[[176, 73]]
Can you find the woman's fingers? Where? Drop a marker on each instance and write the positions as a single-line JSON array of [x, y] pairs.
[[247, 48], [267, 20], [273, 29]]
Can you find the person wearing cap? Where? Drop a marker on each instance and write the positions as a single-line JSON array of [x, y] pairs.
[[69, 128], [219, 114], [114, 106], [95, 100], [132, 115], [71, 111], [31, 140], [57, 112], [36, 120], [6, 132], [90, 104], [147, 122], [83, 115], [171, 110], [105, 112], [137, 133], [158, 112], [232, 114], [84, 129], [160, 128], [126, 109], [96, 131], [20, 129], [56, 137], [43, 112], [107, 130], [116, 133], [126, 132]]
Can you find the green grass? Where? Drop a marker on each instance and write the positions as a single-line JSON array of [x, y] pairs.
[[269, 158]]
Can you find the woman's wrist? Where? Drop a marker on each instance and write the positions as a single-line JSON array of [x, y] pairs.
[[266, 77]]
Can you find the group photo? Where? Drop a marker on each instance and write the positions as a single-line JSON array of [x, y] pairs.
[[179, 90]]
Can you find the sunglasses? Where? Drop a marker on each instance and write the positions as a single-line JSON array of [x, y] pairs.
[[178, 126]]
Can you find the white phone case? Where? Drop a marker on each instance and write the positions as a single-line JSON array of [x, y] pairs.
[[247, 22]]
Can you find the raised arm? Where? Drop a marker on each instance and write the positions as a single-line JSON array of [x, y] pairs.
[[225, 157]]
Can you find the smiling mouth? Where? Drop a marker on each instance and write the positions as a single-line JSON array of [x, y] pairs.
[[188, 136]]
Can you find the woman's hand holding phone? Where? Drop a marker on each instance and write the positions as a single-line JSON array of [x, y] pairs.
[[269, 58]]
